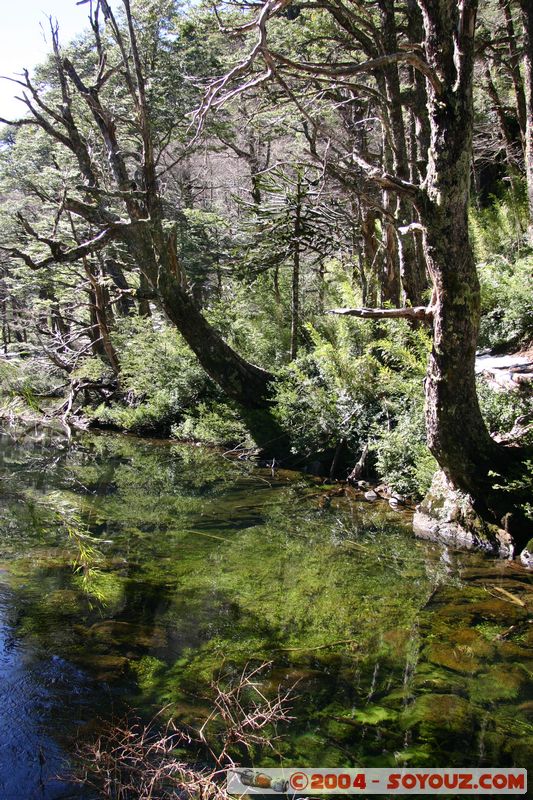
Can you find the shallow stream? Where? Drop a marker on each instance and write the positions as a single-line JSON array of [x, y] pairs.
[[403, 652]]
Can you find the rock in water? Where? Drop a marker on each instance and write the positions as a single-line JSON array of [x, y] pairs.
[[447, 515], [526, 556]]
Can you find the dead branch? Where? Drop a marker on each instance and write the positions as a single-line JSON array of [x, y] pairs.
[[61, 256], [343, 70], [245, 713], [217, 92], [357, 471], [136, 760], [423, 313]]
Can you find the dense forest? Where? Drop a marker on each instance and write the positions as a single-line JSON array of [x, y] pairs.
[[284, 228]]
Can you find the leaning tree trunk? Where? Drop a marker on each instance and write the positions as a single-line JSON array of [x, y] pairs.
[[242, 381]]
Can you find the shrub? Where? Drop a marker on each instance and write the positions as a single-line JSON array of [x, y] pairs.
[[506, 307], [364, 386], [216, 424], [320, 400], [28, 379], [500, 228], [403, 460], [152, 416], [160, 378], [501, 408], [499, 241]]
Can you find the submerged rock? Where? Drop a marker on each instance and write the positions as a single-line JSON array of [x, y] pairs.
[[430, 678], [460, 660], [104, 667], [501, 682], [119, 632], [442, 715]]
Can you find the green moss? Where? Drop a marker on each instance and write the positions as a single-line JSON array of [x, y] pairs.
[[501, 682], [374, 715], [439, 715], [147, 671], [489, 630]]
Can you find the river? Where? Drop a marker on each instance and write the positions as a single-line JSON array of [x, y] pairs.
[[133, 573]]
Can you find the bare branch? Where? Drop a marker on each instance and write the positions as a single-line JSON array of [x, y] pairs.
[[61, 256], [96, 215], [386, 180], [418, 312], [216, 93], [18, 123], [347, 69]]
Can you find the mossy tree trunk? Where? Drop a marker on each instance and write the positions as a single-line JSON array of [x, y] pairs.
[[457, 435]]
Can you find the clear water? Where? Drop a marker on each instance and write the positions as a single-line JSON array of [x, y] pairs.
[[404, 652]]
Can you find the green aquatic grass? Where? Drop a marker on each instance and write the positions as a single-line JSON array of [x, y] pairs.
[[205, 565]]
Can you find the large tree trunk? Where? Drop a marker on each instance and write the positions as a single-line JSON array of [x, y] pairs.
[[371, 253], [457, 435], [295, 283]]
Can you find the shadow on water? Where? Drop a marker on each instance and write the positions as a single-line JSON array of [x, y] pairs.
[[404, 653], [33, 690]]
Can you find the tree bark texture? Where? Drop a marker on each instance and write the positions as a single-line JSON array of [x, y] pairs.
[[527, 17], [457, 435]]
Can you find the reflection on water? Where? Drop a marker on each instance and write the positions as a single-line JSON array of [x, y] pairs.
[[190, 566]]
